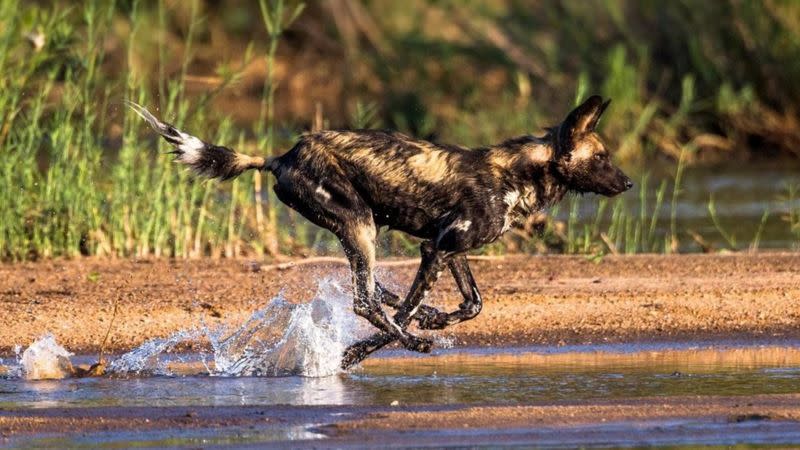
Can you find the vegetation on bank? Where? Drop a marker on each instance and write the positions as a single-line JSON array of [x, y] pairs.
[[692, 82]]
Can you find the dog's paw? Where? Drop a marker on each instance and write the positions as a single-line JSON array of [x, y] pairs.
[[351, 356], [435, 321], [417, 344]]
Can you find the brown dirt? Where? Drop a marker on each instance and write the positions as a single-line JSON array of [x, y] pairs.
[[734, 409], [542, 300], [396, 425], [59, 420]]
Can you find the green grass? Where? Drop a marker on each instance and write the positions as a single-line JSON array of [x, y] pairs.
[[792, 213], [616, 228], [62, 194], [80, 175]]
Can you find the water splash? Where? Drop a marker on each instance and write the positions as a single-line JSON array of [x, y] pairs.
[[292, 339], [12, 370], [444, 341], [44, 360], [281, 339], [148, 358]]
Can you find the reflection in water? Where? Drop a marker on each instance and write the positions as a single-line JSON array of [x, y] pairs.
[[182, 438], [175, 391], [453, 377]]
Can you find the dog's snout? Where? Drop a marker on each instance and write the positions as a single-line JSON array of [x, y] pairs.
[[628, 184]]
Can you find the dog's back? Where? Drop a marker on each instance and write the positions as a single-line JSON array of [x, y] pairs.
[[409, 184]]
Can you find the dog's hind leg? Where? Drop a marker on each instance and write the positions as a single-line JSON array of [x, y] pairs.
[[337, 206], [358, 242], [433, 261], [359, 246], [468, 309]]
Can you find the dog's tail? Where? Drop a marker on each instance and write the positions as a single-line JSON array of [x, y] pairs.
[[205, 159]]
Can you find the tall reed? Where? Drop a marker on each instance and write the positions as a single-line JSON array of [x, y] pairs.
[[79, 175]]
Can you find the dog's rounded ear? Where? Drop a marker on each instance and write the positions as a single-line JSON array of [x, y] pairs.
[[582, 119]]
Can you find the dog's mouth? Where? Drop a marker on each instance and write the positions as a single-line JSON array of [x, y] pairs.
[[615, 190]]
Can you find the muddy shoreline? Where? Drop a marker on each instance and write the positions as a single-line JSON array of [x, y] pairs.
[[548, 300], [645, 420]]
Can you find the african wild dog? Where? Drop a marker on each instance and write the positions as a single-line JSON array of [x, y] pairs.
[[455, 199]]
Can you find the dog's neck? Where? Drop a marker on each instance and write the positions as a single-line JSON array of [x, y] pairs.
[[527, 168]]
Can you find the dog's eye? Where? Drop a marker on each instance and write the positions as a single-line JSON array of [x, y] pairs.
[[599, 156]]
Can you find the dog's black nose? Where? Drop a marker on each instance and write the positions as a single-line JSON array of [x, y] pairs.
[[628, 184]]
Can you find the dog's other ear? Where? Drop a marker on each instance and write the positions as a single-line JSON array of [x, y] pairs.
[[582, 119]]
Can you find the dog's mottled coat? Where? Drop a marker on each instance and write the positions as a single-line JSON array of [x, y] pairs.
[[454, 198]]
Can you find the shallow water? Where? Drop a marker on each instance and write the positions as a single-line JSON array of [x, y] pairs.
[[204, 438], [471, 376], [508, 376]]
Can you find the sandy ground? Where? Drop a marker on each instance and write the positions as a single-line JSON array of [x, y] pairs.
[[625, 422], [731, 409], [528, 300], [736, 409], [646, 422]]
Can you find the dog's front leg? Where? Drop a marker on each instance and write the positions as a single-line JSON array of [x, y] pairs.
[[425, 313], [430, 269], [468, 309]]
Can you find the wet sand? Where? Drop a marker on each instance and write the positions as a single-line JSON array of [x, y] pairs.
[[647, 421], [552, 300], [654, 420], [721, 409]]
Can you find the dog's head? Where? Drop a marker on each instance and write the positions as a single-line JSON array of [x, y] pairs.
[[581, 159]]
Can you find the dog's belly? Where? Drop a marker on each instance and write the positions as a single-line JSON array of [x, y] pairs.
[[409, 219]]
